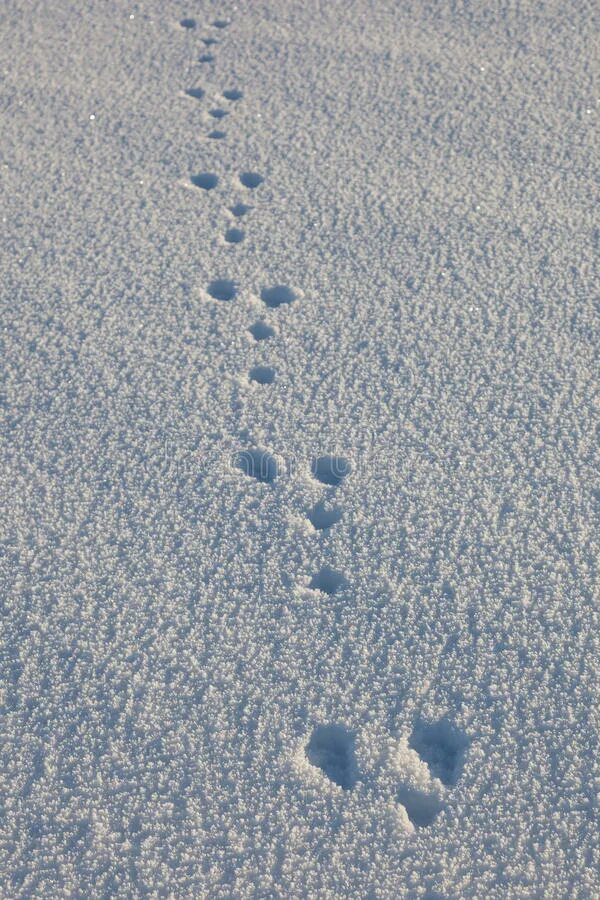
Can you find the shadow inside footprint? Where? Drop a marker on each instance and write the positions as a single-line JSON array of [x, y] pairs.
[[218, 113], [276, 296], [421, 808], [328, 581], [260, 331], [216, 135], [209, 41], [188, 23], [233, 94], [442, 747], [196, 93], [234, 235], [251, 179], [239, 210], [220, 23], [331, 749], [320, 517], [205, 180], [262, 374], [222, 289], [258, 464], [330, 470], [206, 58]]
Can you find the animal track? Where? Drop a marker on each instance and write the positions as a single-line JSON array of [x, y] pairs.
[[196, 93], [421, 808], [188, 23], [320, 517], [262, 374], [218, 113], [258, 464], [328, 581], [330, 470], [220, 23], [277, 296], [239, 210], [251, 179], [331, 749], [222, 289], [216, 135], [234, 235], [233, 94], [260, 331], [205, 180], [442, 747], [209, 41], [206, 58]]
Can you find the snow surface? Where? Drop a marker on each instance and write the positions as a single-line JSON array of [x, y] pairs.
[[299, 449]]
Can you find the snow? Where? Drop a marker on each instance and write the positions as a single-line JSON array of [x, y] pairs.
[[299, 450]]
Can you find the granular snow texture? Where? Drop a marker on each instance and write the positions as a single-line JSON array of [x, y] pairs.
[[299, 449]]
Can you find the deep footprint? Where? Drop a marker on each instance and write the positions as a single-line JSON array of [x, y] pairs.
[[209, 41], [222, 289], [220, 23], [262, 374], [196, 93], [330, 470], [188, 23], [206, 58], [328, 581], [216, 135], [331, 749], [233, 94], [251, 179], [260, 331], [258, 464], [218, 113], [234, 235], [205, 180]]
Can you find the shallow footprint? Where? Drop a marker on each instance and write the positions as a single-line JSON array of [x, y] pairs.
[[328, 581], [206, 58], [222, 289], [278, 295], [251, 179], [209, 41], [188, 23], [260, 331], [205, 180], [220, 23], [240, 209], [330, 470], [234, 235], [262, 374], [320, 517]]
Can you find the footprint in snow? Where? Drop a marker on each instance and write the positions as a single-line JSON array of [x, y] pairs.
[[205, 180], [233, 94], [195, 92], [234, 235], [251, 180]]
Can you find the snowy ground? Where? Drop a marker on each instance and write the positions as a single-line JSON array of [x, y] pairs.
[[299, 449]]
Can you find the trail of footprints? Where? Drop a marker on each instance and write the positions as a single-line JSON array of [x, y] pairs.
[[430, 762]]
